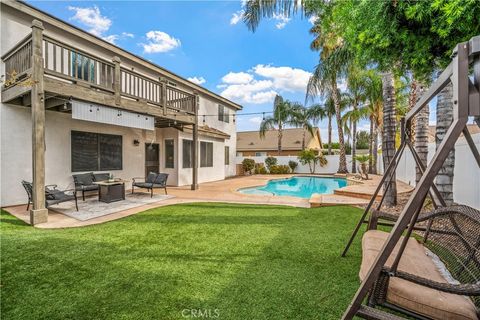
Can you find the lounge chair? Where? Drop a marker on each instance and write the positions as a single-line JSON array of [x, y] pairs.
[[52, 194], [85, 181], [153, 181]]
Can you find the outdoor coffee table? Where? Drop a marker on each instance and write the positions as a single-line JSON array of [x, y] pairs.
[[111, 191]]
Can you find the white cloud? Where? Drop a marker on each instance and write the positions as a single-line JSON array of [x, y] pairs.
[[159, 41], [237, 17], [197, 80], [284, 78], [255, 120], [313, 19], [98, 25], [237, 78], [281, 19], [127, 35], [92, 19], [261, 83]]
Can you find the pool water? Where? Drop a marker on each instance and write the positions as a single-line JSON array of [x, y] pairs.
[[301, 187]]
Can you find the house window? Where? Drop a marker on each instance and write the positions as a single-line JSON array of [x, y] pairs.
[[223, 114], [83, 67], [206, 154], [187, 153], [260, 154], [169, 153], [95, 151], [227, 155]]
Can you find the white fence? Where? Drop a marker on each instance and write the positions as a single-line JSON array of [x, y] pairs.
[[466, 181], [331, 167]]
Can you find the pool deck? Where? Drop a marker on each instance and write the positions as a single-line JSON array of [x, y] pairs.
[[358, 193]]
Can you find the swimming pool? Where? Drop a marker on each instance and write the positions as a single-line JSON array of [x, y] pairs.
[[301, 187]]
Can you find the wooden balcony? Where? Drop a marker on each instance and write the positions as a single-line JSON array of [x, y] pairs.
[[69, 72]]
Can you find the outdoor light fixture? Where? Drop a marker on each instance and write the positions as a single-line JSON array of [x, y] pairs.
[[204, 119], [136, 142]]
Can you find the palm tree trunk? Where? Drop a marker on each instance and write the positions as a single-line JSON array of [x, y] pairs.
[[444, 180], [342, 166], [388, 139], [354, 142], [280, 135], [375, 149], [370, 148], [329, 135], [421, 133], [303, 139]]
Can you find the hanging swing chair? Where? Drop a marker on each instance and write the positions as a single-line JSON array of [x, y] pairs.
[[428, 266]]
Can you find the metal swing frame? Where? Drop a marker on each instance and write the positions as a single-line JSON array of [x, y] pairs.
[[466, 103]]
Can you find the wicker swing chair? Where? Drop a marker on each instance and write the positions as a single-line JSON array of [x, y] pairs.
[[439, 279]]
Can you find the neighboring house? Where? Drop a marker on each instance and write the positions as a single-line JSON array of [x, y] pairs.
[[249, 143], [88, 105]]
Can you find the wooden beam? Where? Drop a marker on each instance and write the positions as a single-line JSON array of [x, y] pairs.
[[117, 81], [75, 91], [195, 147], [11, 93], [39, 213]]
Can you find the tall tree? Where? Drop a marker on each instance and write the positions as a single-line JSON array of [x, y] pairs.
[[327, 110], [374, 107], [303, 117], [444, 180], [282, 115], [388, 139]]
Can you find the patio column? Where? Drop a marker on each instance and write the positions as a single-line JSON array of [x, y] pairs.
[[195, 145], [38, 213], [117, 80]]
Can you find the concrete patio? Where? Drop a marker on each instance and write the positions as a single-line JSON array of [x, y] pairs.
[[357, 193]]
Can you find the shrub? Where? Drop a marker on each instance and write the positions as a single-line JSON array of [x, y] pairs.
[[248, 165], [260, 168], [311, 158], [293, 165], [270, 161], [279, 169]]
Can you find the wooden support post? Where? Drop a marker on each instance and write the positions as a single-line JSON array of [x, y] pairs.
[[39, 213], [163, 94], [117, 80], [195, 145]]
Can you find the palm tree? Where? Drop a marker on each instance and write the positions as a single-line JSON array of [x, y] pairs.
[[389, 133], [282, 115], [324, 81], [444, 179], [356, 84], [303, 117], [374, 107], [327, 111]]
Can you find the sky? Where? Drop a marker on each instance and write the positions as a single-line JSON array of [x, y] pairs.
[[208, 43]]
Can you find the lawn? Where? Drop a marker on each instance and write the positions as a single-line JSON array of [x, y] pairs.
[[228, 261]]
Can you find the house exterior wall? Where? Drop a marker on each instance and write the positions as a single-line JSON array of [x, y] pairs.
[[16, 134], [272, 153]]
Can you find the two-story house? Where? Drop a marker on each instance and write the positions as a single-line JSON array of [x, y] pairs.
[[72, 102]]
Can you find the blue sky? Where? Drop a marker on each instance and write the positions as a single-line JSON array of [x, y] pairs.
[[207, 42]]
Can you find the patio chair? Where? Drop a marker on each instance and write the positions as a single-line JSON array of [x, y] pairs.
[[85, 181], [52, 194], [153, 181]]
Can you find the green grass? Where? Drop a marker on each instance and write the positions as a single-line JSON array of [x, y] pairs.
[[245, 261]]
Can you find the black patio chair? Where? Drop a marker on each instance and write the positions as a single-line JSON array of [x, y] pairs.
[[153, 181], [52, 194]]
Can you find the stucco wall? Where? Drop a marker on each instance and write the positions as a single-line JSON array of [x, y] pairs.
[[16, 152]]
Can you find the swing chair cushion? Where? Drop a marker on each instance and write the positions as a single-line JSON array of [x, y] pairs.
[[420, 299]]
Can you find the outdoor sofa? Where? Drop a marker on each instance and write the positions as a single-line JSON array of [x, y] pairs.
[[85, 181], [52, 194]]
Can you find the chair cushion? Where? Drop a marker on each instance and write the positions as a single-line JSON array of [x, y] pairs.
[[422, 300], [101, 176], [161, 179], [151, 177], [143, 185], [85, 179], [91, 187]]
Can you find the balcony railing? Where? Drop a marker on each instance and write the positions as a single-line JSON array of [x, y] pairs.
[[65, 62]]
